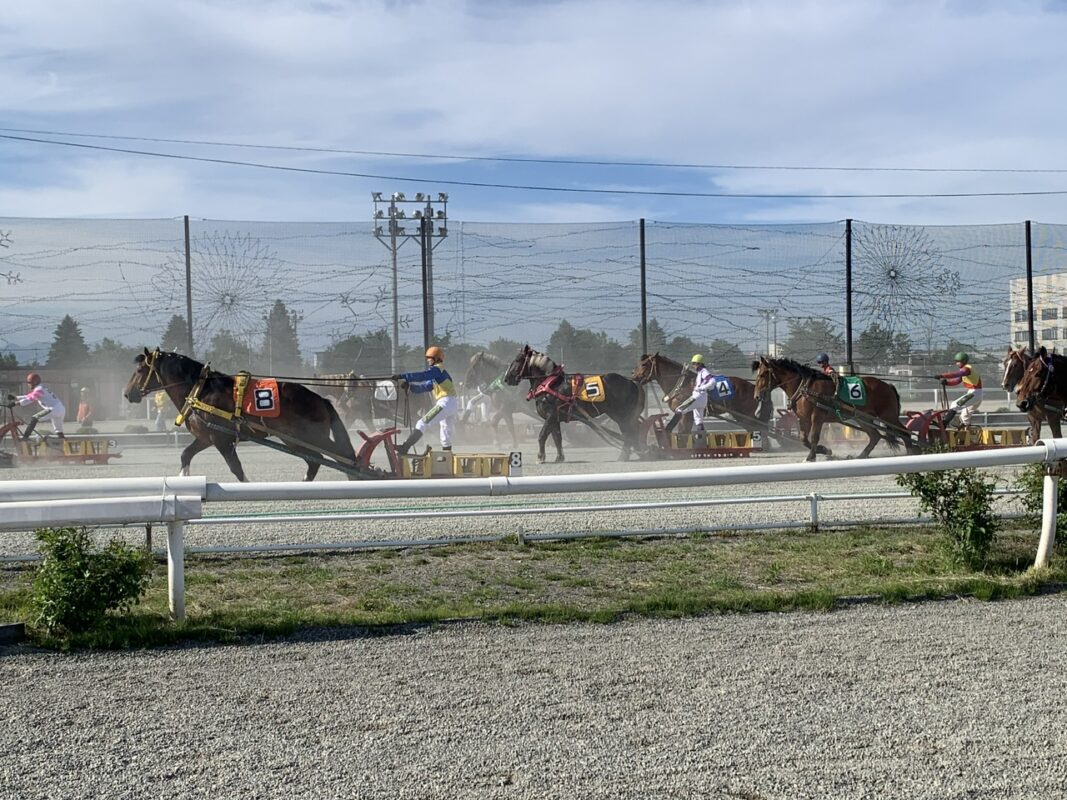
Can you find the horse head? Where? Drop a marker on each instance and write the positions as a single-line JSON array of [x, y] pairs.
[[1034, 382], [518, 368], [146, 378], [766, 377], [1015, 364], [645, 370]]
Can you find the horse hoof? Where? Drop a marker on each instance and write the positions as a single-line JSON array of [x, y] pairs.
[[559, 459], [540, 459]]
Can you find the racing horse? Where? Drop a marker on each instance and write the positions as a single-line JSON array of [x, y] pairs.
[[812, 395], [556, 395], [485, 371], [744, 406], [303, 415], [1015, 364], [1043, 384]]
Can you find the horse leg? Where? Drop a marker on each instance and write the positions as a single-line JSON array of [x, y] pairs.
[[1035, 415], [194, 447], [1053, 425], [872, 439], [313, 470], [542, 437], [229, 452], [557, 437]]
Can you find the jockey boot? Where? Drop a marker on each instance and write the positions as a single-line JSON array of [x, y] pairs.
[[447, 448], [671, 423], [29, 428], [61, 435], [949, 416], [408, 442]]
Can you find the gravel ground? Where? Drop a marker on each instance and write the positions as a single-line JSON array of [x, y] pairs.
[[269, 465], [940, 700]]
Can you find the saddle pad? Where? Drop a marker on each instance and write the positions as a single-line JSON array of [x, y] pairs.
[[722, 388], [852, 391], [591, 389], [258, 397]]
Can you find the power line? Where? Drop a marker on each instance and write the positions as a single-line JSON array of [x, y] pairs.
[[534, 188], [521, 160]]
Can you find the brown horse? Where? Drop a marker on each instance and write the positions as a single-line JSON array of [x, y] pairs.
[[1015, 364], [812, 395], [557, 402], [305, 416], [1044, 383], [744, 406]]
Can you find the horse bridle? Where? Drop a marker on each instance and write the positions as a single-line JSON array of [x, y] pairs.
[[150, 362]]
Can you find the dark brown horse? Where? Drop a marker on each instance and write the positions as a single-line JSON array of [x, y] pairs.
[[812, 395], [1043, 384], [1015, 364], [676, 382], [554, 394], [304, 416]]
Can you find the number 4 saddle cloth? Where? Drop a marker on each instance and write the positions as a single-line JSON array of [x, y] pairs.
[[256, 397]]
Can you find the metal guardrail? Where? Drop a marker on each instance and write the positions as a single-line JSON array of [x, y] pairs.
[[177, 500]]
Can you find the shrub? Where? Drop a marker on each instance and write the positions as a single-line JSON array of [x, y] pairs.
[[76, 585], [961, 501], [1031, 486]]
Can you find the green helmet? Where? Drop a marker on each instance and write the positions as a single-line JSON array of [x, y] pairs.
[[960, 356]]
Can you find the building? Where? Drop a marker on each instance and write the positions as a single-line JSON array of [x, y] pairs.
[[1050, 311]]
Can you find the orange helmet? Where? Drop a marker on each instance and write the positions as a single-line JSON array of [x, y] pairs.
[[33, 379], [436, 353]]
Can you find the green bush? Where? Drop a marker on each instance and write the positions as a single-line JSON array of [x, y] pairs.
[[961, 501], [76, 585], [1031, 486]]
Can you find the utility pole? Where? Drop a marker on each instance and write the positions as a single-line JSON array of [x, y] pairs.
[[770, 315], [432, 229]]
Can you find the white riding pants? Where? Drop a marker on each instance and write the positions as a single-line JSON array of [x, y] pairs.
[[442, 411]]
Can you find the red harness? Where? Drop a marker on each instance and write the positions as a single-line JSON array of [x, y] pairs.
[[548, 387]]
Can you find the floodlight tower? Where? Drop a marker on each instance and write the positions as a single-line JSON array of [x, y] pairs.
[[433, 219]]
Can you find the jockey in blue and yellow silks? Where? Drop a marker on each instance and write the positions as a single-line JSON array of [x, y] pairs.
[[968, 402], [435, 379]]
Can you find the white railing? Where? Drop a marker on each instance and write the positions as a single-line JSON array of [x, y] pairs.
[[32, 504]]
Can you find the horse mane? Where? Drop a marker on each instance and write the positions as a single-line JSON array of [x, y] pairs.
[[542, 361], [801, 369], [488, 358]]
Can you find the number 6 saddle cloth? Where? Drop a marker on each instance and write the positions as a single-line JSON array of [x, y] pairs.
[[851, 390]]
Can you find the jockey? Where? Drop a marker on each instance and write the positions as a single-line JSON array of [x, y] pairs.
[[823, 360], [698, 400], [52, 407], [967, 403], [437, 380]]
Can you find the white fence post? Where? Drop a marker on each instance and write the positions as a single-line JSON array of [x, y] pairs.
[[176, 568], [813, 499], [1050, 491]]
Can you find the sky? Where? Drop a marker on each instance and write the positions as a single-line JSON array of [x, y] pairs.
[[707, 112]]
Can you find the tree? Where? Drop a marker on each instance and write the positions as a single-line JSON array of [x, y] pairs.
[[583, 349], [879, 345], [809, 336], [68, 345], [176, 336], [281, 349], [657, 339], [724, 356], [227, 353], [367, 354], [108, 353], [9, 361]]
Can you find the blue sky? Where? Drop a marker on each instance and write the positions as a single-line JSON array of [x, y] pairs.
[[897, 86]]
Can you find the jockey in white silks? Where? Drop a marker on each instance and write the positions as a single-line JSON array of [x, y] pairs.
[[698, 400]]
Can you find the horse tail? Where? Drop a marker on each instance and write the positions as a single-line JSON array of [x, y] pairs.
[[340, 433]]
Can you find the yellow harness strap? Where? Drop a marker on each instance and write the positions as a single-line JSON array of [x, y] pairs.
[[193, 402]]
